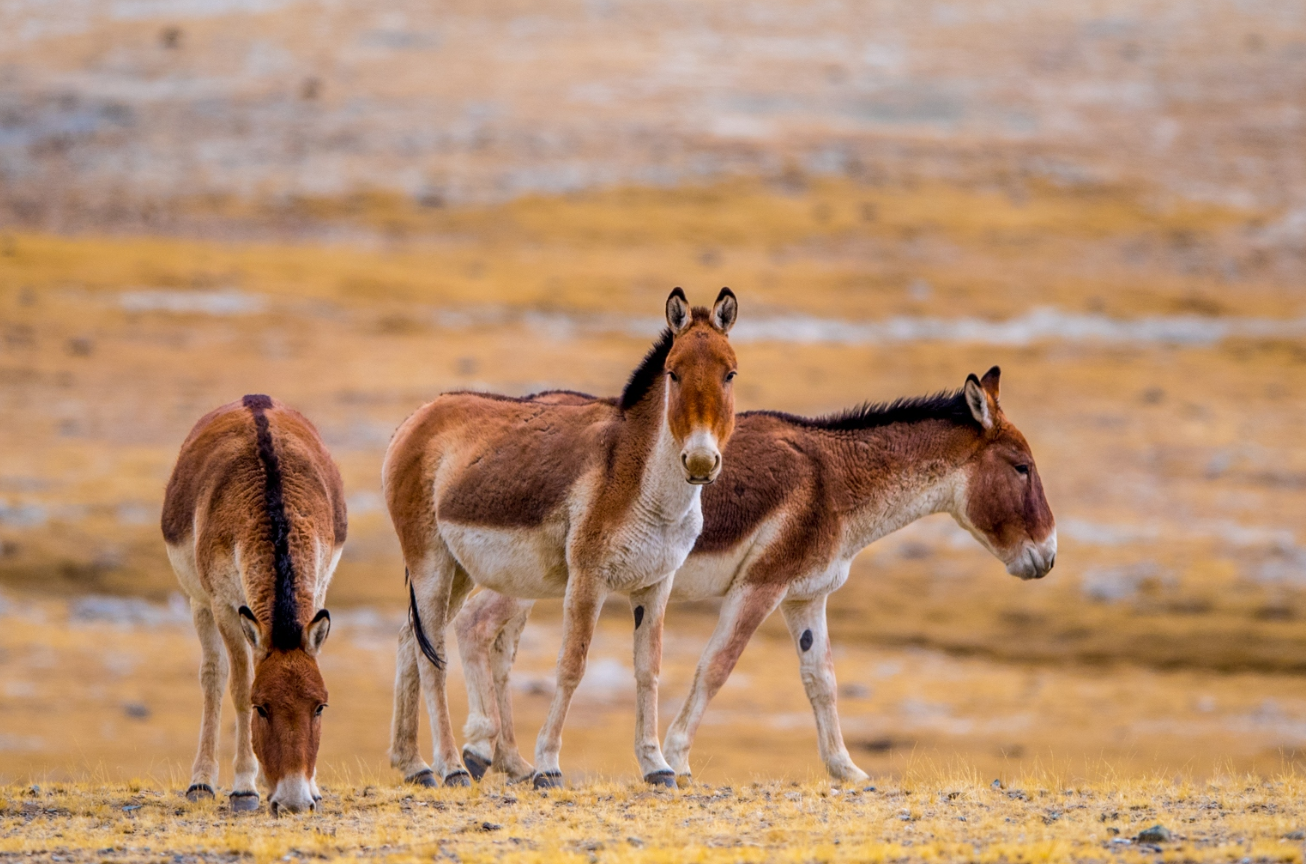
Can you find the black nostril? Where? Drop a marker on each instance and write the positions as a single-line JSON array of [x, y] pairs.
[[716, 463], [684, 459], [1052, 561]]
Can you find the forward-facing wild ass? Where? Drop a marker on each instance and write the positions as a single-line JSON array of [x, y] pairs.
[[254, 521], [797, 500], [539, 499]]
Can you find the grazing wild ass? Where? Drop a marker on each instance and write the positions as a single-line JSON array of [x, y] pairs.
[[254, 521], [797, 500], [538, 498]]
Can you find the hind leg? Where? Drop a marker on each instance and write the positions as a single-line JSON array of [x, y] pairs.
[[433, 584], [404, 752], [488, 630], [213, 680], [507, 755]]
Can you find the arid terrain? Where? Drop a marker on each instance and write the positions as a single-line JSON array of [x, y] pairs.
[[355, 210]]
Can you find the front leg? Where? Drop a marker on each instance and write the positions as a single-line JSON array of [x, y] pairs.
[[649, 606], [580, 615], [806, 621], [213, 680], [435, 597], [744, 609], [244, 791]]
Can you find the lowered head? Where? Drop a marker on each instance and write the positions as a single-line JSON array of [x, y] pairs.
[[289, 697]]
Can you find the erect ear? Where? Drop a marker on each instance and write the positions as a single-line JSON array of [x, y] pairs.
[[678, 317], [249, 625], [990, 383], [725, 310], [978, 401], [316, 632]]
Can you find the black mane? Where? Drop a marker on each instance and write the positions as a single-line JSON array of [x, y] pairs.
[[287, 632], [949, 405], [647, 373]]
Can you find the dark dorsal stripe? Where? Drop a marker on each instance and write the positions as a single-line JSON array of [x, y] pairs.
[[949, 405], [287, 633]]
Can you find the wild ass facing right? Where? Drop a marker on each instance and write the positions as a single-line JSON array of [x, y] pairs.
[[796, 502]]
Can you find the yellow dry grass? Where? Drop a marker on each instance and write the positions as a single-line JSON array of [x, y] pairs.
[[928, 816]]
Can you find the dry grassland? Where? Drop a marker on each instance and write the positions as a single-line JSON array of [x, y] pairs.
[[927, 816], [1164, 645]]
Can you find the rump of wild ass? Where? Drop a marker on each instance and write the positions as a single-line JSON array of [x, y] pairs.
[[797, 500], [254, 521], [540, 497]]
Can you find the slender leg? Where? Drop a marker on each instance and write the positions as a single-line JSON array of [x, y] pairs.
[[507, 756], [580, 615], [244, 792], [404, 751], [482, 627], [806, 621], [743, 611], [213, 680], [650, 606], [433, 585]]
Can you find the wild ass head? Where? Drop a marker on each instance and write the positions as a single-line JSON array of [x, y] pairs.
[[700, 367], [288, 696], [1003, 504]]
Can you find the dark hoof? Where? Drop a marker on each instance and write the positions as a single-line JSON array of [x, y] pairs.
[[199, 792], [458, 778], [684, 781], [244, 802], [425, 777], [661, 778], [548, 780], [475, 764]]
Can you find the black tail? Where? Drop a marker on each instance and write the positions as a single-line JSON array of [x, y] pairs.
[[422, 642], [287, 632]]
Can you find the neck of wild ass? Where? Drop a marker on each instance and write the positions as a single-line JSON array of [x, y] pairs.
[[930, 477]]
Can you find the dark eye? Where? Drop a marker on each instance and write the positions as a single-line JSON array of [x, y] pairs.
[[1022, 470], [730, 376], [673, 376], [320, 709], [262, 712]]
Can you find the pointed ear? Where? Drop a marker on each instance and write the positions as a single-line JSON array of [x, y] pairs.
[[990, 383], [678, 317], [978, 401], [249, 626], [725, 310], [316, 632]]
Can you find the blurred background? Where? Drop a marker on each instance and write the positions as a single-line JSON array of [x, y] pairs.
[[356, 206]]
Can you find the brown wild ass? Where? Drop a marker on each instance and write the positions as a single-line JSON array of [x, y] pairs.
[[796, 502], [254, 521], [540, 499]]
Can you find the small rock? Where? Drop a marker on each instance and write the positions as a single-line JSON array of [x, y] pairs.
[[490, 826], [1295, 835], [635, 841], [868, 788], [136, 710], [996, 784], [1155, 834]]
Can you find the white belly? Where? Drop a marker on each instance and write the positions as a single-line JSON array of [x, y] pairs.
[[704, 576], [529, 563]]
